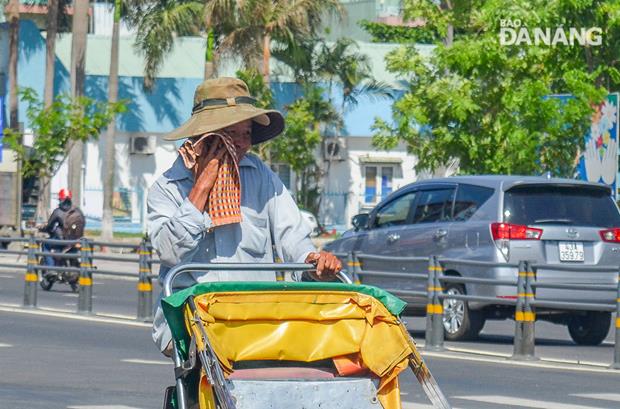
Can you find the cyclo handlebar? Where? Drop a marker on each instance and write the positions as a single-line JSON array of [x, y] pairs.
[[266, 267]]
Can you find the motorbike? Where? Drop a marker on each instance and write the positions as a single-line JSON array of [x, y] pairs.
[[49, 277]]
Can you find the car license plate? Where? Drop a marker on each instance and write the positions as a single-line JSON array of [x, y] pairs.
[[571, 251]]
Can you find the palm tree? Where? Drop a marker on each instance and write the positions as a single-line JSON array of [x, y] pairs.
[[250, 30], [56, 19], [242, 28], [110, 152], [158, 23], [78, 60], [342, 63], [12, 14], [300, 56]]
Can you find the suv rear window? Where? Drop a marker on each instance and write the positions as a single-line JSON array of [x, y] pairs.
[[578, 206]]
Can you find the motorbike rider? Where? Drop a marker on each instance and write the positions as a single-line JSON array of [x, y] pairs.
[[55, 224]]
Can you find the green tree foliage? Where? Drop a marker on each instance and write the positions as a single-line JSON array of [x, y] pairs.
[[257, 86], [301, 137], [488, 104], [314, 60], [387, 33], [56, 128], [305, 118]]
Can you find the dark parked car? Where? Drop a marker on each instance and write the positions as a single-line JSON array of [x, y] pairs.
[[502, 219]]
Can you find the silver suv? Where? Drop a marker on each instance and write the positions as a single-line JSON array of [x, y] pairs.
[[502, 219]]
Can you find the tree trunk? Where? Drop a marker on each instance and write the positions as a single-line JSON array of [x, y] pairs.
[[12, 12], [78, 59], [266, 57], [50, 52], [449, 40], [107, 222], [43, 202]]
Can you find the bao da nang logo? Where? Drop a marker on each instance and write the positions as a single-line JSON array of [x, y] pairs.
[[514, 32]]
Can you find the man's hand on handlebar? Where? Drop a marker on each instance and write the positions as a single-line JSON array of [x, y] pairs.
[[327, 265]]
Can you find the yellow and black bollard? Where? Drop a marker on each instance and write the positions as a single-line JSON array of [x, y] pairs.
[[280, 275], [525, 317], [434, 308], [85, 295], [32, 277], [145, 285]]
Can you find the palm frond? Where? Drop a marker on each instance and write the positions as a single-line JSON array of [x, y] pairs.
[[157, 26]]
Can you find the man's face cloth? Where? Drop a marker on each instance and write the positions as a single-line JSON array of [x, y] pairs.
[[224, 205]]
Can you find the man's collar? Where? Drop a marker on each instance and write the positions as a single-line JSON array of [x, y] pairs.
[[178, 171]]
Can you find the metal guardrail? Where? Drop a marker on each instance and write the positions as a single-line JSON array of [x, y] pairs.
[[35, 252], [525, 285], [525, 301]]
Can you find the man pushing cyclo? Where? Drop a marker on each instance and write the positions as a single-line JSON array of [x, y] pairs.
[[219, 204]]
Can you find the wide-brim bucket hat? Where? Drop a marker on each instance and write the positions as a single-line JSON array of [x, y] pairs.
[[225, 101]]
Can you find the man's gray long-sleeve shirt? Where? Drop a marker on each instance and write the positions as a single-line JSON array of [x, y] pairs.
[[180, 233]]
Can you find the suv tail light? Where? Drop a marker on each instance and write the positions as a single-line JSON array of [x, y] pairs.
[[611, 235], [502, 233], [507, 231]]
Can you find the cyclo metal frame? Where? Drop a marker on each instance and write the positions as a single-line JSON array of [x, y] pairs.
[[213, 370]]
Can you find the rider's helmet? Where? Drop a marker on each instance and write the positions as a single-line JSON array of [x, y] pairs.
[[64, 194]]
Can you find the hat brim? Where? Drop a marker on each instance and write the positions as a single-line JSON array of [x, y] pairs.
[[266, 123]]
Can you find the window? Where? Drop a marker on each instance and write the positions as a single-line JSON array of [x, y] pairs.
[[386, 181], [370, 191], [395, 212], [378, 182], [434, 206], [284, 173], [469, 198], [570, 205]]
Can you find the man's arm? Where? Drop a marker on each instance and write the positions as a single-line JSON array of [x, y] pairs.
[[174, 230], [53, 220]]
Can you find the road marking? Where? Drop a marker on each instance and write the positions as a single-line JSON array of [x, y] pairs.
[[5, 345], [146, 361], [528, 403], [413, 405], [535, 364], [613, 397], [112, 315], [6, 276], [73, 316], [102, 407]]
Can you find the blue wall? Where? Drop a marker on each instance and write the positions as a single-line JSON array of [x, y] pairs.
[[169, 104]]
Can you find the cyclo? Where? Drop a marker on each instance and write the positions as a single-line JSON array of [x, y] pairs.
[[290, 345]]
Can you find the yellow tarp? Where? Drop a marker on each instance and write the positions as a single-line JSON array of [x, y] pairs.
[[305, 326]]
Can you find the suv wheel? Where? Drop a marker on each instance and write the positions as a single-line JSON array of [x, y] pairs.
[[459, 322], [590, 328]]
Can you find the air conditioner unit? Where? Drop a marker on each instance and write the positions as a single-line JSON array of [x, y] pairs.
[[334, 149], [142, 145]]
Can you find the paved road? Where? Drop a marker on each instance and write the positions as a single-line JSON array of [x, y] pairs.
[[59, 363], [118, 297]]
